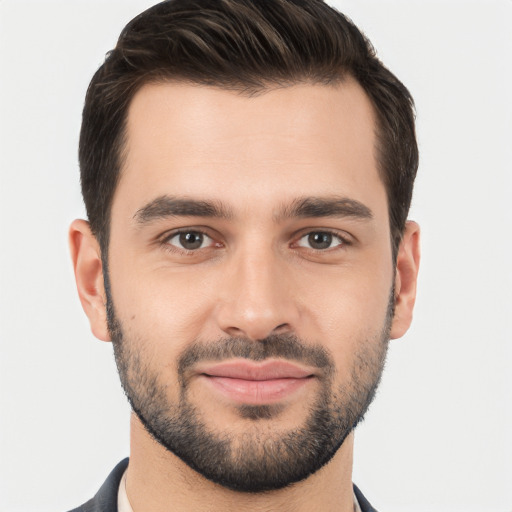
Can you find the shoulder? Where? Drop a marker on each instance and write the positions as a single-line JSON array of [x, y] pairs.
[[105, 499]]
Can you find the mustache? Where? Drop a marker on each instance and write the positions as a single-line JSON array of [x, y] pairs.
[[283, 346]]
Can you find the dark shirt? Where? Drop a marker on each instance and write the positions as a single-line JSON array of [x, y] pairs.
[[106, 498]]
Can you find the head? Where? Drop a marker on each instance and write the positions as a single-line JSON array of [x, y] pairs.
[[247, 169]]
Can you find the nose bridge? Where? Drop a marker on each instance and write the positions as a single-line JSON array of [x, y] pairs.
[[257, 300]]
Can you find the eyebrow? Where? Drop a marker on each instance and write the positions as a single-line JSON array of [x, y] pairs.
[[326, 207], [166, 206], [307, 207]]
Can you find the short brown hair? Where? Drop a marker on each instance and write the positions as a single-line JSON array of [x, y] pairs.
[[246, 46]]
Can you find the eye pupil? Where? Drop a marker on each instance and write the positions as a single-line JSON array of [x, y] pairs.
[[320, 240], [191, 240]]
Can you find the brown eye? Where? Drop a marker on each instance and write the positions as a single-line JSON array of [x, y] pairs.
[[190, 240], [320, 240]]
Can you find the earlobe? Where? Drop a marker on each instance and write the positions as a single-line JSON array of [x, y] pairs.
[[407, 265], [86, 257]]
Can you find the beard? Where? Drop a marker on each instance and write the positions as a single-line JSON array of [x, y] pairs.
[[259, 459]]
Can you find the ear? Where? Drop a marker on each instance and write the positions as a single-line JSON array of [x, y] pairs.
[[407, 265], [86, 256]]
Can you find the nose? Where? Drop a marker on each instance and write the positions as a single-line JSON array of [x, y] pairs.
[[257, 297]]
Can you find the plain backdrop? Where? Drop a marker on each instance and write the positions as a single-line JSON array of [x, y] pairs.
[[438, 437]]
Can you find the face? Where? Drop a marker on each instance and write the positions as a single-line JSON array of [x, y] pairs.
[[250, 282]]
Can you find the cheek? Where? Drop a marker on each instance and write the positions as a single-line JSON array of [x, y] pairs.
[[166, 308], [349, 312]]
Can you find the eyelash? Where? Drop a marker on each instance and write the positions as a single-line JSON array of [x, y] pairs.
[[344, 241], [164, 240]]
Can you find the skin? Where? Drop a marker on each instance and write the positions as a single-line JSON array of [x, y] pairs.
[[256, 275]]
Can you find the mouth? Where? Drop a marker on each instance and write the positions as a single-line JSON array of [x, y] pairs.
[[247, 382]]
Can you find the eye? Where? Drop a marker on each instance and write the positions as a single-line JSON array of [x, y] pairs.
[[320, 240], [189, 240]]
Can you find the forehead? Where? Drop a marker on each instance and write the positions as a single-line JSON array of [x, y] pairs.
[[192, 140]]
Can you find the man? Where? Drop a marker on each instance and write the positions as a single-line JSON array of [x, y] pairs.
[[247, 169]]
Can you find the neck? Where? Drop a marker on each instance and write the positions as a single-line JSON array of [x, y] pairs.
[[159, 481]]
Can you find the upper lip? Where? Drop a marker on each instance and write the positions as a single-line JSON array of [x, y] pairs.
[[250, 370]]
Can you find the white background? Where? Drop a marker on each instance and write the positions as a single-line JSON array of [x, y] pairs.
[[438, 437]]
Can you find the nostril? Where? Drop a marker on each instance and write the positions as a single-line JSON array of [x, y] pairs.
[[235, 331]]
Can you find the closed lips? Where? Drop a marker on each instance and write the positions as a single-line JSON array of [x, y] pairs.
[[246, 370], [250, 383]]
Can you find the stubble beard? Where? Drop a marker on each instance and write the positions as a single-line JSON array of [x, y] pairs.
[[260, 459]]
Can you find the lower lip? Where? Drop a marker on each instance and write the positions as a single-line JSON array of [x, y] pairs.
[[256, 392]]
